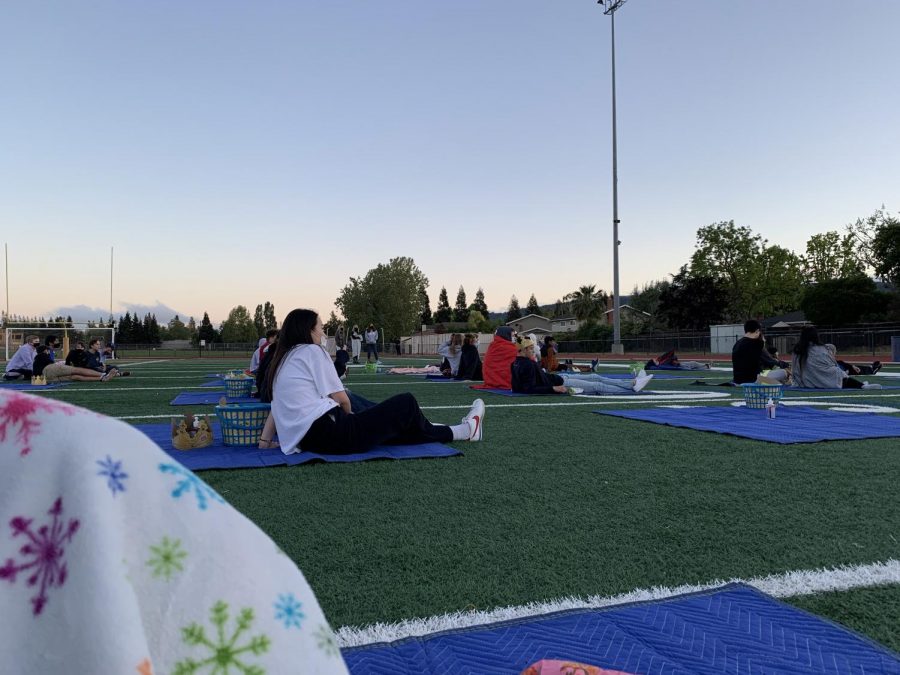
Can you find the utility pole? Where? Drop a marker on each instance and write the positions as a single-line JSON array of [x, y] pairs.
[[609, 8]]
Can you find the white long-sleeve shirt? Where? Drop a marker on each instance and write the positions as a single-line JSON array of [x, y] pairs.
[[23, 359], [453, 359]]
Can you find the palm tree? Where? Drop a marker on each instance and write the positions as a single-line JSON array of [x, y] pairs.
[[587, 303]]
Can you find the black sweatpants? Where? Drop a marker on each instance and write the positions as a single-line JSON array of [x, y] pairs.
[[24, 372], [396, 421], [850, 383]]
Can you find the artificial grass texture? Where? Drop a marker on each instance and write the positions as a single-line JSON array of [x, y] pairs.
[[554, 502], [875, 611]]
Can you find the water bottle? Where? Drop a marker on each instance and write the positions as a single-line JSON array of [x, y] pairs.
[[770, 409]]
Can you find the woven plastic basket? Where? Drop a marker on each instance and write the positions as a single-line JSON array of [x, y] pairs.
[[757, 395], [242, 424], [238, 387], [371, 367]]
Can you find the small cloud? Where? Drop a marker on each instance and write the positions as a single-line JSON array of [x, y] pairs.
[[83, 313]]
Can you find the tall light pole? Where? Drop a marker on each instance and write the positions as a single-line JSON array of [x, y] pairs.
[[610, 7]]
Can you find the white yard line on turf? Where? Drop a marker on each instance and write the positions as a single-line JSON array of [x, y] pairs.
[[140, 363], [785, 585]]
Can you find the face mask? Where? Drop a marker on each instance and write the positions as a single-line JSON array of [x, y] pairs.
[[323, 340]]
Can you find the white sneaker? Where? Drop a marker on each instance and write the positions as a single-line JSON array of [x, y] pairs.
[[641, 381], [574, 390], [475, 420], [874, 385]]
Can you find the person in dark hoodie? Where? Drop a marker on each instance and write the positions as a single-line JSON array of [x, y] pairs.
[[749, 357], [470, 359], [528, 377]]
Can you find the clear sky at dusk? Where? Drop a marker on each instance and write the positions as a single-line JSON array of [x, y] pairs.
[[237, 152]]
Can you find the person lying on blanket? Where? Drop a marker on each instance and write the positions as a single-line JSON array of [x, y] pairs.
[[312, 411], [854, 368], [114, 558], [528, 378], [54, 371], [670, 359], [814, 366]]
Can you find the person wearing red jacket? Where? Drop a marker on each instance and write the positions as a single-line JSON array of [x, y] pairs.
[[498, 359]]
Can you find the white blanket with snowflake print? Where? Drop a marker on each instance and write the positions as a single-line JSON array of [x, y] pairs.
[[116, 559]]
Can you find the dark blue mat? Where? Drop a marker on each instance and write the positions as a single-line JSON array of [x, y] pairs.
[[215, 383], [207, 398], [668, 367], [735, 629], [221, 456], [792, 425], [27, 386], [510, 392]]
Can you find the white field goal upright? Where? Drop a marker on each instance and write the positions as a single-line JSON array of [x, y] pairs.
[[14, 336]]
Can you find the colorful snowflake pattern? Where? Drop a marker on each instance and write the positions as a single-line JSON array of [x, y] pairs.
[[287, 609], [42, 554], [19, 411], [190, 483], [326, 641], [114, 474], [167, 558], [224, 653]]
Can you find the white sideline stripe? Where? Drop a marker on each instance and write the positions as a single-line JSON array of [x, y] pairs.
[[465, 406], [140, 363], [785, 585]]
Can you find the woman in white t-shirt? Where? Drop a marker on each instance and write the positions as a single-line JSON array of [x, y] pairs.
[[312, 410]]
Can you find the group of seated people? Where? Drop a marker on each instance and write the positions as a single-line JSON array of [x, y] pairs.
[[813, 365], [34, 359]]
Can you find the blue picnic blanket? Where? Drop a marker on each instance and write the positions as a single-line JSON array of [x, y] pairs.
[[734, 629], [207, 398], [221, 456], [793, 424], [27, 386]]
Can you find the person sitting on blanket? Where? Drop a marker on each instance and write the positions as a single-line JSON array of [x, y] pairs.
[[94, 362], [814, 366], [77, 356], [469, 359], [669, 359], [749, 357], [526, 375], [528, 378], [115, 558], [261, 348], [312, 411], [451, 350], [498, 359], [20, 365]]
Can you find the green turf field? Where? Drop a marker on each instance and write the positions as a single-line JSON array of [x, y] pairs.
[[559, 502]]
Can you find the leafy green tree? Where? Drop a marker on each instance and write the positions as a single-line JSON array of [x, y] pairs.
[[865, 230], [886, 251], [831, 256], [207, 331], [461, 309], [560, 309], [269, 320], [759, 279], [478, 323], [332, 324], [176, 330], [425, 318], [532, 307], [513, 312], [840, 302], [479, 304], [646, 299], [258, 322], [587, 303], [693, 302], [443, 313], [239, 327], [388, 296]]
